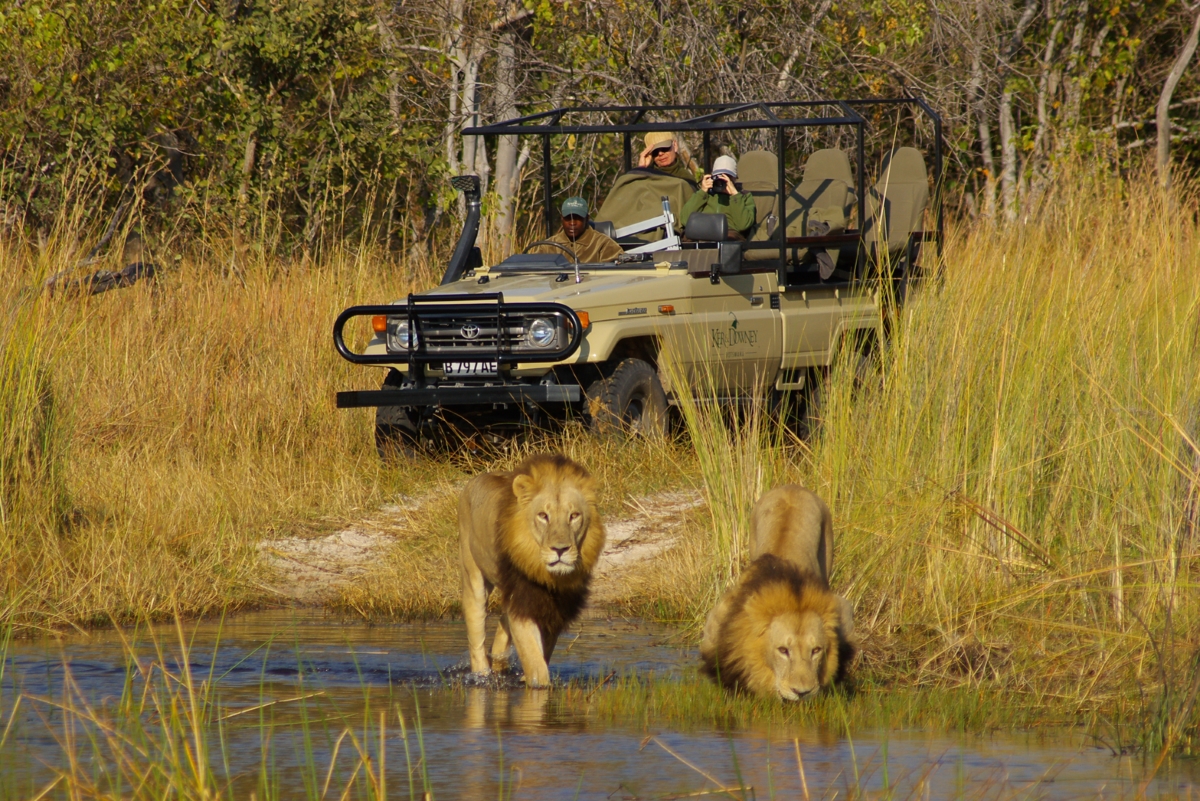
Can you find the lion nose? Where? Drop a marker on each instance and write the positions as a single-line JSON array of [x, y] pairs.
[[800, 693], [560, 551]]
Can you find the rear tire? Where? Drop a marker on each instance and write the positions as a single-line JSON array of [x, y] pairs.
[[630, 402], [396, 437]]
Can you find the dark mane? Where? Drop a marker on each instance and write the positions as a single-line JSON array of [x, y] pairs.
[[551, 608]]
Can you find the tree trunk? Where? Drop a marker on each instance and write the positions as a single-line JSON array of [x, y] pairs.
[[1074, 87], [1162, 117], [1044, 92], [1008, 156], [805, 46], [1008, 128], [506, 148], [977, 98]]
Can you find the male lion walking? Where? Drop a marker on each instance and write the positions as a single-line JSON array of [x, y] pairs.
[[780, 630], [535, 533]]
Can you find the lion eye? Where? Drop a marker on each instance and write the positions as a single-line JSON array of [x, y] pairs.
[[574, 516], [783, 650], [816, 650], [545, 518]]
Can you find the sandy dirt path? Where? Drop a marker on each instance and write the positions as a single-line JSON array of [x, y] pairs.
[[311, 571]]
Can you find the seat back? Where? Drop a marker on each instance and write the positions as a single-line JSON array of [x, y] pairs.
[[637, 196], [758, 174], [604, 227], [896, 203], [707, 227], [824, 193]]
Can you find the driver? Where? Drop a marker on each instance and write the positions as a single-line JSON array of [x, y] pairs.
[[589, 245]]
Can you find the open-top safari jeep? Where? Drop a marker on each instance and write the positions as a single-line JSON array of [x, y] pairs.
[[540, 337]]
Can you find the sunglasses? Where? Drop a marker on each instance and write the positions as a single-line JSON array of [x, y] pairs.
[[658, 151]]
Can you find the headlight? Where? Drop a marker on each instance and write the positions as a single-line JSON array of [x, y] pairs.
[[541, 333], [399, 335]]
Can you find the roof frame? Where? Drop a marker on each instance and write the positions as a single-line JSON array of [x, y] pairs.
[[708, 117]]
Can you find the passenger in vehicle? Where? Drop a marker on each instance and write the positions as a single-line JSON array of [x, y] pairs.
[[662, 171], [588, 244], [718, 194], [663, 153]]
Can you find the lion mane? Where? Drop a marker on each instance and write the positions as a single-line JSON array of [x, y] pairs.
[[535, 534], [738, 648]]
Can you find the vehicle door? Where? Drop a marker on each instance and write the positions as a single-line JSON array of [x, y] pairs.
[[735, 327]]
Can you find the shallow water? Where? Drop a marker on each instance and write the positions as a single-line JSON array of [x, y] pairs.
[[298, 681]]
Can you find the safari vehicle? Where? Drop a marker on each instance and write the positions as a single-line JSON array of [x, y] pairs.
[[540, 337]]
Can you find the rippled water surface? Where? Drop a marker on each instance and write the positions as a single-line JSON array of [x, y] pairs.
[[297, 682]]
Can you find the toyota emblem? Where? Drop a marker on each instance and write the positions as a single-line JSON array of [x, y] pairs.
[[469, 331]]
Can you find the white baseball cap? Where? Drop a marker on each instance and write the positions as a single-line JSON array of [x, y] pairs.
[[725, 165]]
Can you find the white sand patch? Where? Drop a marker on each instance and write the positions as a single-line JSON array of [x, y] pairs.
[[311, 570]]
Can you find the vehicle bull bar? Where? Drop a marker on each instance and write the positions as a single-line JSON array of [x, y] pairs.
[[490, 305], [462, 396]]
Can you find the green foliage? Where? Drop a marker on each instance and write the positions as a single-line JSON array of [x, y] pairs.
[[116, 89]]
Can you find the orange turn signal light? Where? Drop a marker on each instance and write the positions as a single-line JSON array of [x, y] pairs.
[[584, 318], [379, 324], [666, 308]]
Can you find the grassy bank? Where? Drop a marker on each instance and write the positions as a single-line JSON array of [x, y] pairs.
[[180, 421], [1015, 492]]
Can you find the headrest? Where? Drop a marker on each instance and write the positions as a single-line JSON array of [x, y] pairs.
[[828, 163], [604, 227], [904, 165], [760, 167], [707, 227]]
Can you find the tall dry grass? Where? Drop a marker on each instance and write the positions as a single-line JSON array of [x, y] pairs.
[[1015, 493], [1015, 497], [152, 435]]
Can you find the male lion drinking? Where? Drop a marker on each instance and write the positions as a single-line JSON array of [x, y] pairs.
[[535, 533], [780, 630]]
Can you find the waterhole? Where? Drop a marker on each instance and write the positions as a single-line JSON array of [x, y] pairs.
[[293, 705]]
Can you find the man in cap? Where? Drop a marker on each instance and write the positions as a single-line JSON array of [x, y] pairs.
[[719, 195], [588, 244], [662, 153]]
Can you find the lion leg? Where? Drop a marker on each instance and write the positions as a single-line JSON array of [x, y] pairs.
[[712, 626], [474, 603], [549, 640], [501, 642], [528, 638]]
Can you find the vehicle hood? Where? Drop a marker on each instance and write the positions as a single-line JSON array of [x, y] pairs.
[[597, 293]]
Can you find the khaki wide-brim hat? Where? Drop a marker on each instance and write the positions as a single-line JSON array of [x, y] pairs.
[[657, 138]]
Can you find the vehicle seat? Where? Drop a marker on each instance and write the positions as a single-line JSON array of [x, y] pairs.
[[823, 200], [707, 227], [604, 227], [896, 203], [758, 171], [636, 198], [824, 193]]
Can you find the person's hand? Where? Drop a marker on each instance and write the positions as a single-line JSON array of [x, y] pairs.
[[647, 157], [730, 189], [706, 183]]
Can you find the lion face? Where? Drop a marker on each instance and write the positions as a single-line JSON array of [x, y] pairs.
[[797, 649], [558, 521]]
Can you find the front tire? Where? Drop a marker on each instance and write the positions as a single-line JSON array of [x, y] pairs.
[[630, 402], [396, 437]]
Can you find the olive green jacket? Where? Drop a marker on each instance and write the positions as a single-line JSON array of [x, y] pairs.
[[738, 208], [592, 247]]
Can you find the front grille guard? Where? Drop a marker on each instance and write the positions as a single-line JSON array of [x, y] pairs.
[[486, 305]]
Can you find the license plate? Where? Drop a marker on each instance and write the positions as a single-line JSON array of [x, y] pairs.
[[470, 368]]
